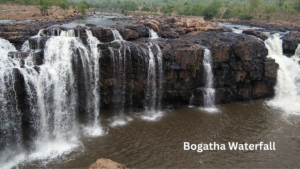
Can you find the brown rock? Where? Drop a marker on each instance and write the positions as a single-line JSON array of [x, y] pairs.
[[103, 163], [270, 68], [240, 76], [256, 33], [188, 23], [131, 34], [220, 51], [154, 27]]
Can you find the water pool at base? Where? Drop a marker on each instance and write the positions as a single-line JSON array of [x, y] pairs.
[[159, 144]]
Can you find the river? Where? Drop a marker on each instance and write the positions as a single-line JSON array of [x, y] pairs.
[[159, 144]]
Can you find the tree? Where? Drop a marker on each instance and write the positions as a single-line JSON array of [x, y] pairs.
[[129, 5], [297, 5], [82, 6], [212, 9], [44, 6], [254, 5], [228, 13], [167, 9], [280, 3]]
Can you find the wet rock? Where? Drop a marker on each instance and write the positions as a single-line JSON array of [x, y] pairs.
[[290, 42], [103, 34], [256, 33], [37, 43], [103, 163], [240, 67], [131, 34], [270, 69]]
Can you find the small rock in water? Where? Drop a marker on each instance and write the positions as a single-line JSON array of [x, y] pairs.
[[106, 164]]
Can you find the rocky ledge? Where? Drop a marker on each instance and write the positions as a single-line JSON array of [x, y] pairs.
[[241, 69]]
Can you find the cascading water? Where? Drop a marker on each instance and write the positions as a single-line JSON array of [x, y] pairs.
[[10, 115], [287, 91], [153, 34], [119, 60], [52, 96], [297, 54], [209, 91], [154, 81], [117, 35], [94, 72]]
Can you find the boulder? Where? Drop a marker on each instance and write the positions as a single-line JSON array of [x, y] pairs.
[[103, 163], [256, 33], [290, 42]]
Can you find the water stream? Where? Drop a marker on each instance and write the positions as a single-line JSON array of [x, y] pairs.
[[209, 91], [287, 91], [154, 81]]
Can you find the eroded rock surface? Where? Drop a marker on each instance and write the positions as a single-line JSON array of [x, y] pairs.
[[240, 67]]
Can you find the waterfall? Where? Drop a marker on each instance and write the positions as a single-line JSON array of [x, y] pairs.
[[287, 91], [57, 97], [297, 53], [94, 71], [119, 61], [154, 82], [10, 115], [117, 35], [191, 100], [151, 81], [51, 93], [209, 91], [153, 34], [25, 46]]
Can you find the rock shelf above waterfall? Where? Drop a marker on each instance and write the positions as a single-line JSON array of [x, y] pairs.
[[240, 67]]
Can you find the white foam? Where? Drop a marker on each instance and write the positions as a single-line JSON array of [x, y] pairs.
[[152, 115], [287, 91], [121, 120]]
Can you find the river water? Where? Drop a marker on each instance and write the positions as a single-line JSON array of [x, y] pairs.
[[159, 144]]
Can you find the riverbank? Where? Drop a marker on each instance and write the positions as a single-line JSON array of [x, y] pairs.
[[30, 12], [287, 25]]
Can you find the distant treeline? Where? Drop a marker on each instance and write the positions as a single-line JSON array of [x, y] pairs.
[[226, 9], [220, 9]]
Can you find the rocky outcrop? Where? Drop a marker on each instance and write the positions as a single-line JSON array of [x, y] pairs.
[[18, 32], [256, 33], [103, 163], [290, 42], [240, 67], [239, 74]]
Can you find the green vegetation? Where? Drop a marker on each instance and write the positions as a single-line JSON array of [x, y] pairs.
[[219, 9], [196, 68], [82, 7], [210, 9]]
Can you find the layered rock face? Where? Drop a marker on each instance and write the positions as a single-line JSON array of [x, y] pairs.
[[240, 67]]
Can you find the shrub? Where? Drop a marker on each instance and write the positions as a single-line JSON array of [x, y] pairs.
[[212, 9], [245, 16]]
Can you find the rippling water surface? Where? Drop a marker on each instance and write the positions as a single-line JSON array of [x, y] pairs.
[[159, 144]]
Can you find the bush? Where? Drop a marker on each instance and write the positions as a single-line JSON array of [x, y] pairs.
[[212, 9], [245, 16], [228, 13], [129, 5], [82, 6], [146, 8]]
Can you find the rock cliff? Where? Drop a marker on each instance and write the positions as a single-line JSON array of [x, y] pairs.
[[240, 67]]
